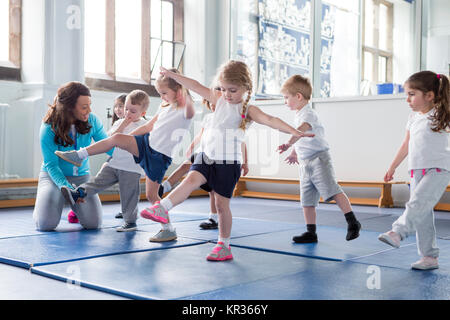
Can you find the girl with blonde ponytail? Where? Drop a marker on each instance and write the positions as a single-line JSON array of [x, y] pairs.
[[217, 168]]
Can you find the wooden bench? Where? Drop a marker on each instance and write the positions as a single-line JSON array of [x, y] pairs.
[[443, 206], [29, 202], [384, 201]]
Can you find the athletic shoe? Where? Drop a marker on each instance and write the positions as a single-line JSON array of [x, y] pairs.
[[391, 238], [209, 224], [164, 235], [307, 237], [156, 213], [161, 191], [73, 195], [353, 231], [70, 156], [72, 217], [127, 227], [119, 215], [220, 253], [426, 263]]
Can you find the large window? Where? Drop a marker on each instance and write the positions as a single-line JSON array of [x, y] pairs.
[[127, 40], [10, 37], [347, 48]]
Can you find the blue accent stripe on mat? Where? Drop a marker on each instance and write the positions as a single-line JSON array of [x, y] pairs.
[[331, 244], [58, 247]]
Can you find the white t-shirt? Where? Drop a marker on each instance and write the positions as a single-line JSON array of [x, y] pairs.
[[222, 138], [306, 148], [426, 149], [206, 121], [169, 129], [122, 159]]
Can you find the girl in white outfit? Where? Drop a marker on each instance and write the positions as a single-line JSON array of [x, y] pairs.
[[426, 143]]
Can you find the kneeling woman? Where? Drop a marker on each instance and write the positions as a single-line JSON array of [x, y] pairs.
[[68, 125]]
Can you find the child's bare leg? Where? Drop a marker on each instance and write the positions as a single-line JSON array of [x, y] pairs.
[[151, 190], [194, 180], [310, 235], [179, 173], [225, 218], [212, 221], [343, 202], [353, 224], [123, 141]]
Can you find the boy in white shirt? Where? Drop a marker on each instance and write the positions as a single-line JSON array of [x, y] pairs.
[[121, 168], [316, 170]]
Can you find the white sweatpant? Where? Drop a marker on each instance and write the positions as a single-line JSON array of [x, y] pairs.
[[426, 190], [50, 203]]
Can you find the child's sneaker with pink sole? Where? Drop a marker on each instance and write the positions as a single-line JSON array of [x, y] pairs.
[[220, 253], [156, 213]]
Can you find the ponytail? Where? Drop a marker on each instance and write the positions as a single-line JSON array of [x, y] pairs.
[[441, 117]]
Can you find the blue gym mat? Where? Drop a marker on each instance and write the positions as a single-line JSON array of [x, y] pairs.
[[55, 247], [405, 255], [328, 280], [242, 227], [174, 273], [331, 245]]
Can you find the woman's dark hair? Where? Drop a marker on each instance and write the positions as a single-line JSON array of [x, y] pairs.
[[60, 114]]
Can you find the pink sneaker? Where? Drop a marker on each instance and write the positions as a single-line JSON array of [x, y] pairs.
[[72, 217], [391, 238], [220, 253], [156, 213]]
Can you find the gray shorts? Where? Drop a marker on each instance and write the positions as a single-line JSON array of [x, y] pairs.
[[317, 179]]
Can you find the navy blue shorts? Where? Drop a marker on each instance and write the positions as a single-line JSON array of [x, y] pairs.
[[154, 163], [221, 177]]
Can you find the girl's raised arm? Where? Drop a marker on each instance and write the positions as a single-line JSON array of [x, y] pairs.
[[190, 84], [145, 128]]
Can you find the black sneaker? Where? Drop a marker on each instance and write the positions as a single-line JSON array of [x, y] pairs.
[[307, 237], [161, 191], [119, 215], [353, 231], [73, 195], [210, 224]]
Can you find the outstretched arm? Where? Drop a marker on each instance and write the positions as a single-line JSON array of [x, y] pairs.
[[303, 128], [258, 116], [145, 128], [401, 155], [190, 84]]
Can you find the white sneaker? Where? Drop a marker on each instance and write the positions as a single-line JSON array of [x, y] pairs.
[[391, 238], [426, 263]]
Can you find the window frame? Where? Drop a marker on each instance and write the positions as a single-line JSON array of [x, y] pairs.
[[108, 81], [11, 70], [375, 49]]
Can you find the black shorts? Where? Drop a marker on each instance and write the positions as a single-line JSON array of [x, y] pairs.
[[221, 177], [154, 163]]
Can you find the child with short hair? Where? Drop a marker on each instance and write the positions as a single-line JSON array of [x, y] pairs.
[[426, 145], [121, 168], [153, 143], [316, 170], [218, 167]]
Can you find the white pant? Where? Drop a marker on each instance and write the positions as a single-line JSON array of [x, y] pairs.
[[426, 190], [50, 203]]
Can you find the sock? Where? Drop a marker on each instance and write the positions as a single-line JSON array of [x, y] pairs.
[[166, 186], [166, 203], [311, 228], [82, 153], [167, 226], [350, 217], [213, 216], [226, 241]]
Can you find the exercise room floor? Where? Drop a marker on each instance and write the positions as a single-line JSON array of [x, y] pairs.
[[72, 263]]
